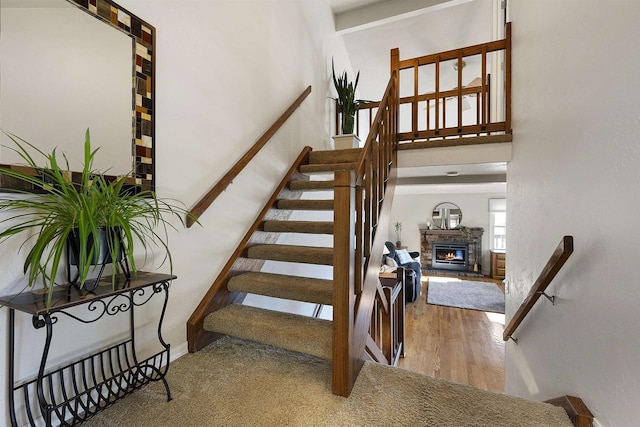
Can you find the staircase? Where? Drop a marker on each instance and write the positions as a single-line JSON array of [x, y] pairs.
[[293, 332]]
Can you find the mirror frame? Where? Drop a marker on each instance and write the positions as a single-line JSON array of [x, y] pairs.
[[143, 68], [436, 210]]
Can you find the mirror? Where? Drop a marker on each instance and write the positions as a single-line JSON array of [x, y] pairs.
[[62, 70], [446, 216]]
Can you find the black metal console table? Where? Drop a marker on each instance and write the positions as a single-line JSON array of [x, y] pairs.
[[70, 395]]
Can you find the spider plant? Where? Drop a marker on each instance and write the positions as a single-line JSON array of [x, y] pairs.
[[347, 102], [66, 209]]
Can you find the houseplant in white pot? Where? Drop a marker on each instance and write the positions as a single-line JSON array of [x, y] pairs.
[[348, 106], [65, 216]]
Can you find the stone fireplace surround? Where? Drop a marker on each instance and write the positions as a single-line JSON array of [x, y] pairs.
[[427, 237]]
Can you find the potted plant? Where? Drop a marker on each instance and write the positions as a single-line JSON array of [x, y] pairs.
[[398, 227], [95, 220], [348, 106]]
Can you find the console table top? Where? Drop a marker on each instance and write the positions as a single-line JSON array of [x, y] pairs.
[[65, 296]]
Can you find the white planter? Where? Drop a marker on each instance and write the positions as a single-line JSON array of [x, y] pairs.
[[343, 142]]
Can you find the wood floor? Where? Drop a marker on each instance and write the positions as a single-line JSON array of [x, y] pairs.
[[456, 344]]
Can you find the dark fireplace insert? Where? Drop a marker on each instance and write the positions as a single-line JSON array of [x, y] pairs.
[[450, 256]]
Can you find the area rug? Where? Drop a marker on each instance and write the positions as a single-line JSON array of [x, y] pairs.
[[483, 296]]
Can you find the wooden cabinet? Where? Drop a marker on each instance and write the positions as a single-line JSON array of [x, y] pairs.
[[498, 264]]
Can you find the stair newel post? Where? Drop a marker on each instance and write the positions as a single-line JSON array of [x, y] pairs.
[[507, 70], [344, 297]]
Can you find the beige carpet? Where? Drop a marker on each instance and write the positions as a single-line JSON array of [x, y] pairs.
[[241, 383]]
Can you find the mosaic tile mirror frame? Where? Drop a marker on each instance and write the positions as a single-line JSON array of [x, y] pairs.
[[142, 91], [143, 88]]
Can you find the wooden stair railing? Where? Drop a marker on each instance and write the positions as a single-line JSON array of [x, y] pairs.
[[555, 263], [201, 206], [217, 296], [362, 205], [433, 125]]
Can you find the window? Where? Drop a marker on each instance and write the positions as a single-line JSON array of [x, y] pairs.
[[498, 223]]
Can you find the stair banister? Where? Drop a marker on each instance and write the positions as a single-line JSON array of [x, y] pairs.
[[558, 259], [201, 206], [362, 204]]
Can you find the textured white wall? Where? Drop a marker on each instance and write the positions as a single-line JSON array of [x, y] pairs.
[[225, 71], [413, 211], [575, 170]]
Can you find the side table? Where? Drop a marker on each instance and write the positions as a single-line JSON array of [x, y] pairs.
[[74, 393]]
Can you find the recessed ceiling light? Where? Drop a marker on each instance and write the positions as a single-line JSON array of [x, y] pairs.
[[452, 173]]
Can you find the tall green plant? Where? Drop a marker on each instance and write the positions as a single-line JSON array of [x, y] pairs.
[[82, 208], [347, 102]]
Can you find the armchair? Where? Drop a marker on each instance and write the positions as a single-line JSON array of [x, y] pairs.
[[409, 261]]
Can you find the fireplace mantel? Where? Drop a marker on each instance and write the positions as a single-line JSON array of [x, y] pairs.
[[471, 236]]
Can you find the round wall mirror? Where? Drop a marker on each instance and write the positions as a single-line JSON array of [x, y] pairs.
[[446, 216]]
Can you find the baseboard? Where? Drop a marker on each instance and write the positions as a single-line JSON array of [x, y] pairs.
[[178, 351]]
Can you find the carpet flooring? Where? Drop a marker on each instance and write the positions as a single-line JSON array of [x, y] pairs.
[[483, 296], [234, 382]]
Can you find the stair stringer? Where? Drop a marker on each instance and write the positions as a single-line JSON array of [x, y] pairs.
[[217, 296]]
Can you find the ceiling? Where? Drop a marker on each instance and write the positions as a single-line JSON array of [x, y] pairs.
[[371, 28]]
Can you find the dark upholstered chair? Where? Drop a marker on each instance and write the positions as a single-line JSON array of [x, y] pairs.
[[413, 271]]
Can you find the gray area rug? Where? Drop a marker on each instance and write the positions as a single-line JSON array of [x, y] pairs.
[[483, 296], [236, 383]]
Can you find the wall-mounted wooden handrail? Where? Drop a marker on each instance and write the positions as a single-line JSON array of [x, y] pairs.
[[206, 201], [217, 296], [555, 263]]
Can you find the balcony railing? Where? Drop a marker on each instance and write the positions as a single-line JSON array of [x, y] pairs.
[[457, 93]]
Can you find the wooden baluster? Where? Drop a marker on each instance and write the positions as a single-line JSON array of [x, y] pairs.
[[459, 92], [414, 105], [479, 94], [437, 96], [507, 67], [366, 183], [484, 88], [488, 98], [375, 185], [359, 243]]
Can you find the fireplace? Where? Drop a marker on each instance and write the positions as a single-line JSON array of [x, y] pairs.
[[450, 256]]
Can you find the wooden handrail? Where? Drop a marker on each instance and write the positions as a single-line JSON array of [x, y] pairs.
[[362, 206], [217, 295], [206, 201], [555, 263]]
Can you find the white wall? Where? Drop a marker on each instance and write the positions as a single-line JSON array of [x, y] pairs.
[[225, 71], [575, 171], [53, 86], [414, 210]]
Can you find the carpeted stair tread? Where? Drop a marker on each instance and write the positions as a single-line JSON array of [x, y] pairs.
[[290, 253], [306, 289], [325, 167], [289, 331], [313, 227], [311, 185], [310, 205], [335, 156]]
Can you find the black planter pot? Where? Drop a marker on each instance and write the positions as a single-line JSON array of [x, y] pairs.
[[107, 239]]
